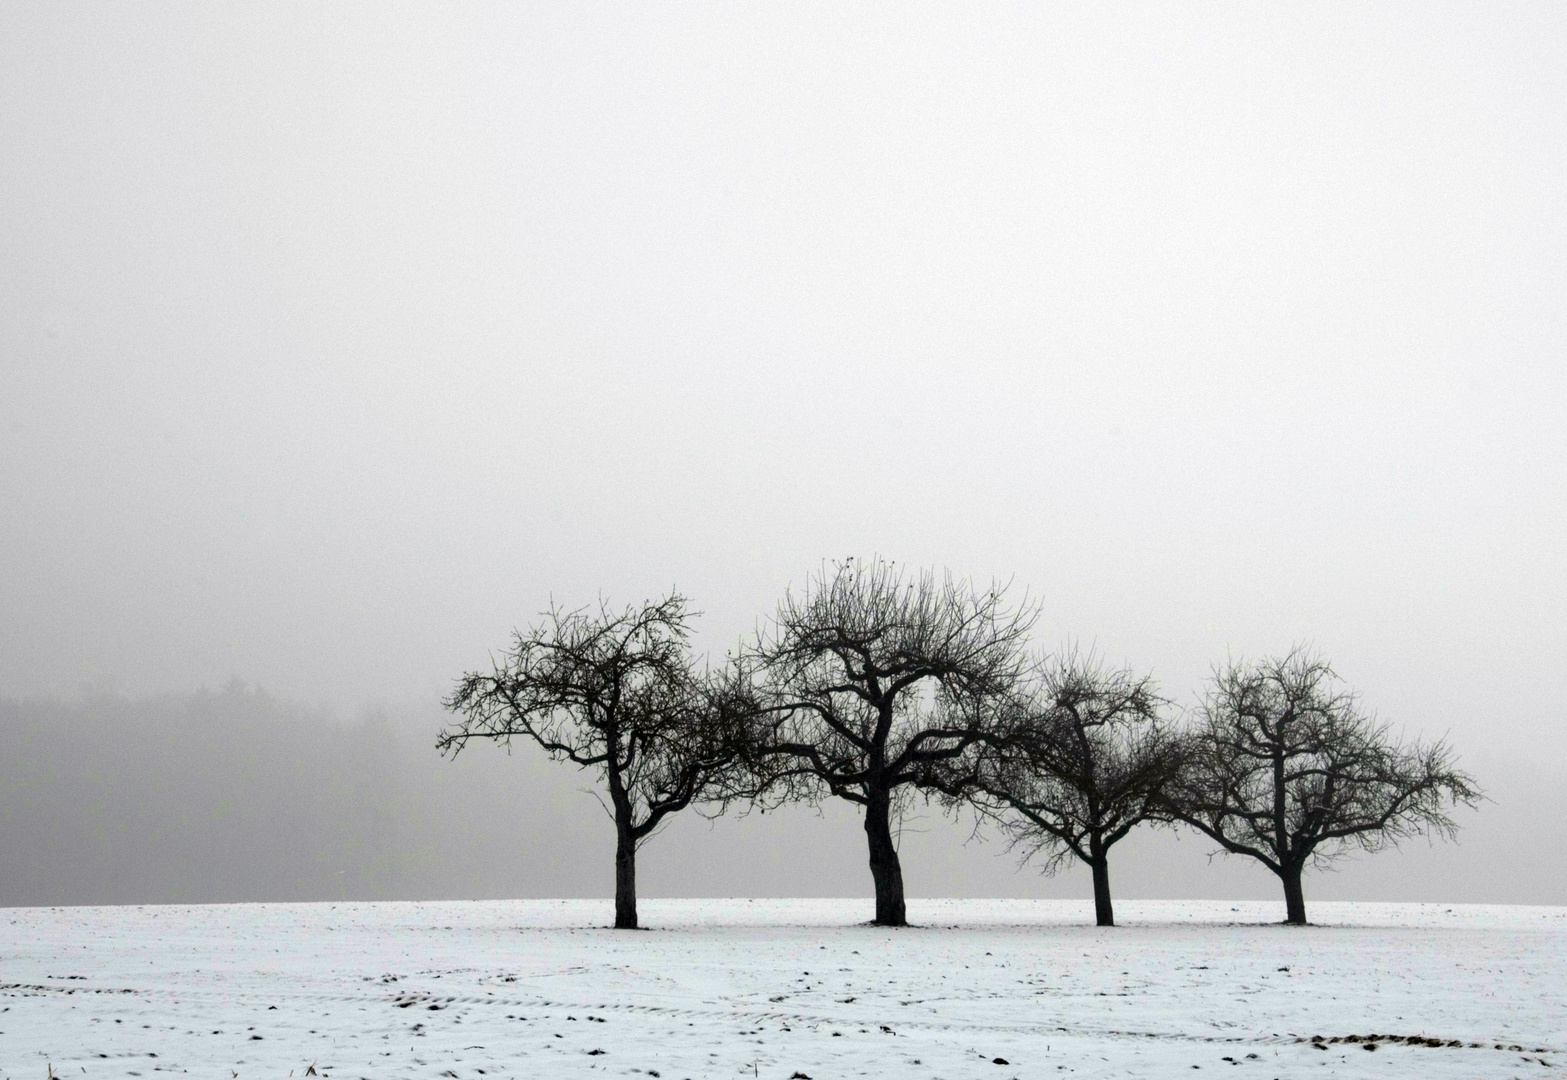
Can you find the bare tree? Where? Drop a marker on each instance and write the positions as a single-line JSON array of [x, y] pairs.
[[868, 679], [1083, 759], [1287, 768], [615, 692]]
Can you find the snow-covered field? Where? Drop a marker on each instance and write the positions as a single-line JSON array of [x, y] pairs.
[[781, 988]]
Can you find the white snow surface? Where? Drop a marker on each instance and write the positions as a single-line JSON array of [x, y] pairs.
[[780, 988]]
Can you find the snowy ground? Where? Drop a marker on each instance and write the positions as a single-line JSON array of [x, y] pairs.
[[780, 988]]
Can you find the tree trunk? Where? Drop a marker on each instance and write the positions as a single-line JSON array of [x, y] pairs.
[[886, 871], [1103, 912], [1294, 898], [625, 877]]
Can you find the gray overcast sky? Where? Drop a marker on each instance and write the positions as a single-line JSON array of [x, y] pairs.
[[333, 342]]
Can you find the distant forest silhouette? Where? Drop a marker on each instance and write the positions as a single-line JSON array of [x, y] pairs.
[[235, 795]]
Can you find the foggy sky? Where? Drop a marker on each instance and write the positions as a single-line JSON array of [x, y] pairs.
[[335, 343]]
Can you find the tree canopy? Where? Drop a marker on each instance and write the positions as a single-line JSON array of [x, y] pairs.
[[1083, 757], [866, 680], [1286, 767], [612, 691]]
